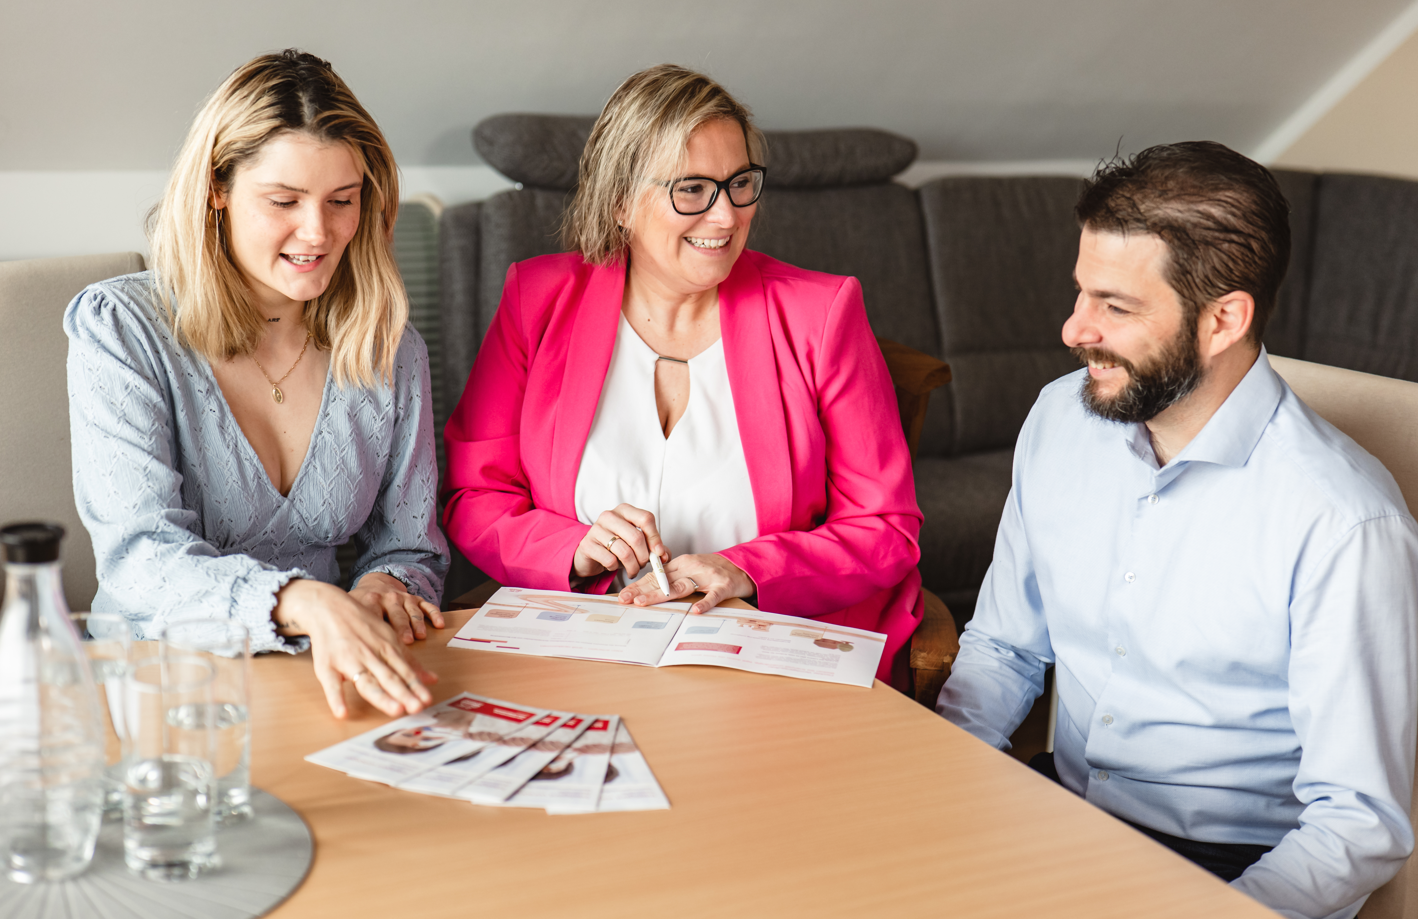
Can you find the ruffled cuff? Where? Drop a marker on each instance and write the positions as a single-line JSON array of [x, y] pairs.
[[253, 598]]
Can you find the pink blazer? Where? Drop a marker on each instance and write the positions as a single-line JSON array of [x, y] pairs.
[[831, 476]]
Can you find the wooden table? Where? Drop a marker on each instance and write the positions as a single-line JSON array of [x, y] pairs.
[[790, 798]]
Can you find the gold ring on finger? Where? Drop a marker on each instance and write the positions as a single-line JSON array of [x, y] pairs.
[[611, 542]]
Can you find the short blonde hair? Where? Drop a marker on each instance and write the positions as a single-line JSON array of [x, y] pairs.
[[360, 317], [641, 137]]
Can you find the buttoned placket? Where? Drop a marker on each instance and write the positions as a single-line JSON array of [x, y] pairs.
[[1129, 600]]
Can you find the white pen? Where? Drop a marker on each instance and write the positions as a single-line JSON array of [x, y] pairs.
[[660, 578]]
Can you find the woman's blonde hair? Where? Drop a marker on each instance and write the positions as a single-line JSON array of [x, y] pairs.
[[360, 317], [640, 139]]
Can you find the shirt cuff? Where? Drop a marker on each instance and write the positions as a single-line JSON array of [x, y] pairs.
[[254, 598]]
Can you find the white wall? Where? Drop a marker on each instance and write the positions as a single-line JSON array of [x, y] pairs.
[[95, 96], [1373, 127]]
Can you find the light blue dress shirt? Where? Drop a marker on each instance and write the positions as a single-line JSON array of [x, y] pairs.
[[1234, 635], [184, 518]]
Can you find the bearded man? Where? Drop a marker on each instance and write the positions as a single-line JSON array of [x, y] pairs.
[[1226, 585]]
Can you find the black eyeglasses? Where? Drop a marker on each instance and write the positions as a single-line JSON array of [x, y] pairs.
[[696, 194]]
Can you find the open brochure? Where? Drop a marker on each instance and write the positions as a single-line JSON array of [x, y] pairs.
[[552, 623]]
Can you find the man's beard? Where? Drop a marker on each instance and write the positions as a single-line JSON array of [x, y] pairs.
[[1151, 388]]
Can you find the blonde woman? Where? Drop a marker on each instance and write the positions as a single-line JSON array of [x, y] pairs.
[[661, 387], [258, 398]]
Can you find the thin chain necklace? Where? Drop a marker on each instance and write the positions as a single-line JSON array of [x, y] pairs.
[[276, 395]]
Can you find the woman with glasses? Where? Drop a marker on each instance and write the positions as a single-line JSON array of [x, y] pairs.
[[662, 390]]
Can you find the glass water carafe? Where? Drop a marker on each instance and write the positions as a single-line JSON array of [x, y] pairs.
[[51, 728]]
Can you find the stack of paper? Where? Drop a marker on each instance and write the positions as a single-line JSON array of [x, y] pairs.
[[500, 753]]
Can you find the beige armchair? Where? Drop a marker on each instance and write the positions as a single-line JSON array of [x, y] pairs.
[[34, 402], [1381, 415]]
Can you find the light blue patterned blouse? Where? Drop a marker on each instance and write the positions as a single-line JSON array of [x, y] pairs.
[[184, 519]]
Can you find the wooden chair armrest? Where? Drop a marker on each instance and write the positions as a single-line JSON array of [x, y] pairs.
[[914, 375], [933, 649], [913, 371]]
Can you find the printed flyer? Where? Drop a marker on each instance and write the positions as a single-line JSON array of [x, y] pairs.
[[562, 762], [498, 785], [452, 775], [414, 744], [571, 783], [630, 785]]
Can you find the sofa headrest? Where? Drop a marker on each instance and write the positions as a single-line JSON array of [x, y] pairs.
[[543, 151]]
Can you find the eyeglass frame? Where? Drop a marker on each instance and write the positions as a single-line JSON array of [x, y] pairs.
[[718, 187]]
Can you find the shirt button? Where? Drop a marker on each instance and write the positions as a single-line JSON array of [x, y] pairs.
[[1107, 719], [1102, 775], [1122, 652], [1129, 577], [1153, 499]]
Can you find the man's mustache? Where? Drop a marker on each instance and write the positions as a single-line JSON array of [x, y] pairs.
[[1102, 356]]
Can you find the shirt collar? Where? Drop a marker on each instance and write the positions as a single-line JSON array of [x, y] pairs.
[[1230, 435]]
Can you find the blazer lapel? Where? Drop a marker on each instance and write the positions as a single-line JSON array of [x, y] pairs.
[[758, 398], [588, 359]]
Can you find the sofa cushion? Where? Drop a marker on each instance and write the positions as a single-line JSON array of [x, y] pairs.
[[459, 248], [544, 151], [1285, 332], [872, 232], [962, 499], [1001, 254], [837, 157], [1363, 299], [479, 242]]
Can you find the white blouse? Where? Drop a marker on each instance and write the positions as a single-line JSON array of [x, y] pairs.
[[695, 481]]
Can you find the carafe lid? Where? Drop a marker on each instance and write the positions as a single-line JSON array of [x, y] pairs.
[[31, 543]]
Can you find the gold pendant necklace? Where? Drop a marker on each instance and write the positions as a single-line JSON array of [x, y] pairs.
[[276, 395]]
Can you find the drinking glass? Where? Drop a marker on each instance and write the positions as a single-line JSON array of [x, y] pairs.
[[224, 644], [169, 792], [107, 640]]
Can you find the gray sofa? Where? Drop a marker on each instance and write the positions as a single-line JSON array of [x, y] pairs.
[[976, 271]]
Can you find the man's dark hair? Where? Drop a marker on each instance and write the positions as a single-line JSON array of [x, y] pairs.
[[1223, 217]]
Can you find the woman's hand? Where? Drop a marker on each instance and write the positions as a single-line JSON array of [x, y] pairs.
[[386, 597], [718, 577], [620, 538], [351, 643]]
